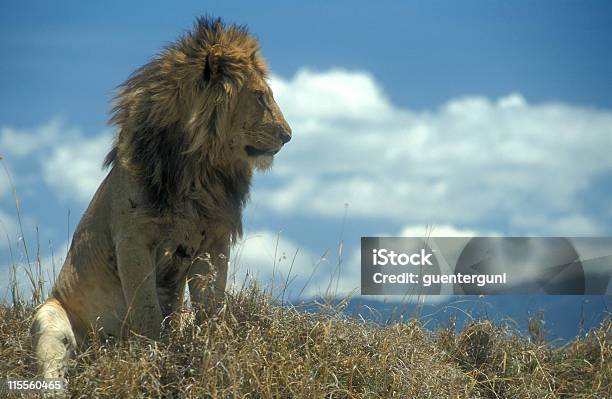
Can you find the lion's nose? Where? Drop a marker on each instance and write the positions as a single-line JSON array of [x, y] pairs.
[[285, 136]]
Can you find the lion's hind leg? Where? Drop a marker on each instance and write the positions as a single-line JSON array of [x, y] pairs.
[[53, 339]]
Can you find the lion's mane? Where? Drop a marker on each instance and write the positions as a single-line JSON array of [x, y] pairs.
[[172, 116]]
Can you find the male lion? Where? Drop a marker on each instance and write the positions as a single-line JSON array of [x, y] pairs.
[[192, 124]]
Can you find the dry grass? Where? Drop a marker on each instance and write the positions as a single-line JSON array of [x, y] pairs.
[[253, 348]]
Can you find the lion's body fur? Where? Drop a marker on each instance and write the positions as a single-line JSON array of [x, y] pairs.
[[181, 168]]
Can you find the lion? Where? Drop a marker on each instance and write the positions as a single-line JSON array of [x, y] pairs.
[[192, 127]]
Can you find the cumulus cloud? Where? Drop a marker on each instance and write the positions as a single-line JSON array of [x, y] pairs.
[[272, 259], [472, 160], [23, 142], [74, 169], [70, 161], [276, 261], [444, 230], [336, 94]]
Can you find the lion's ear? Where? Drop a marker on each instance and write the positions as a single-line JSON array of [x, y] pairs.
[[211, 66]]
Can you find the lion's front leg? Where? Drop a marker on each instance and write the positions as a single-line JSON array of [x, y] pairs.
[[138, 281], [208, 277]]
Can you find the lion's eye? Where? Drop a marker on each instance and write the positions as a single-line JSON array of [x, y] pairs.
[[261, 98]]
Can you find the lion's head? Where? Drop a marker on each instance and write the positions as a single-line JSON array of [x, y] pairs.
[[260, 126], [202, 107]]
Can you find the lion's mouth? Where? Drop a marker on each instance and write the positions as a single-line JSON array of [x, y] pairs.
[[256, 152]]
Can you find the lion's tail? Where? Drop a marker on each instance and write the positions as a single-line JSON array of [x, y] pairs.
[[53, 339]]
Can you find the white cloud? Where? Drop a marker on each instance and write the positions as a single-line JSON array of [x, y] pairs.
[[74, 169], [266, 254], [472, 160], [338, 94], [271, 258], [439, 231], [70, 162], [23, 142]]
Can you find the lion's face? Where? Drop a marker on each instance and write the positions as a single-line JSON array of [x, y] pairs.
[[262, 129]]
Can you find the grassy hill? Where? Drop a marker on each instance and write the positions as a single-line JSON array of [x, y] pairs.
[[254, 348]]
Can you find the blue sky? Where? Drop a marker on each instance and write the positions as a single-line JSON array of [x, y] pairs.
[[475, 117]]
